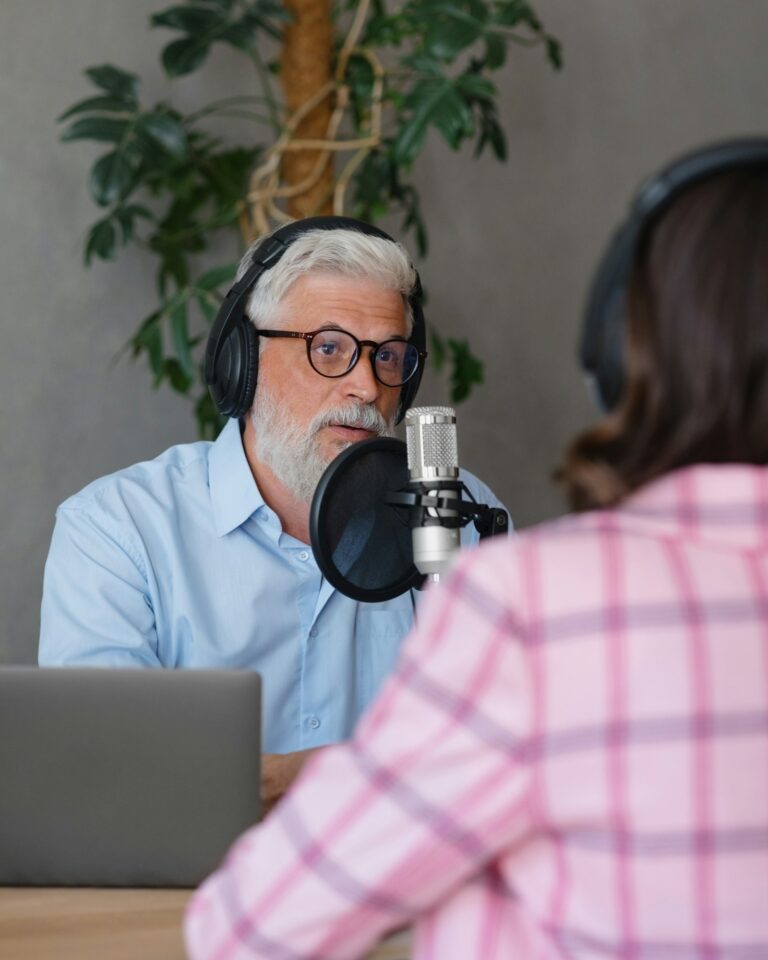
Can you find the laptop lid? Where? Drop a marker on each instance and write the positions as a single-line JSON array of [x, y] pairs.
[[116, 777]]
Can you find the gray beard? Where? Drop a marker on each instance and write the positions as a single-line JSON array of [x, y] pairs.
[[293, 453]]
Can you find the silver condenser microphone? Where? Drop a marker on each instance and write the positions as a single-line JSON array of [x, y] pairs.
[[433, 466]]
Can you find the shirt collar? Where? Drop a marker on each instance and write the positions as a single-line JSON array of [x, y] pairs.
[[234, 494]]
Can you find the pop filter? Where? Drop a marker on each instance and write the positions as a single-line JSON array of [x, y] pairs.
[[362, 544]]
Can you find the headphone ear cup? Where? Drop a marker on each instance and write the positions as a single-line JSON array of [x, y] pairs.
[[602, 342], [602, 348], [233, 384], [250, 369]]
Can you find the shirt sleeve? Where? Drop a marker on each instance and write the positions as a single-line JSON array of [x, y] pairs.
[[96, 608], [434, 784]]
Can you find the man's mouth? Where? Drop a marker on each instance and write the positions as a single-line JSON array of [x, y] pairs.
[[352, 434]]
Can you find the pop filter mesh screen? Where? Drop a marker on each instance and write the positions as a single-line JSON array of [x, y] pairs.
[[362, 544]]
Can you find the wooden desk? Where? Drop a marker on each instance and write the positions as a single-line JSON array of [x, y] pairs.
[[70, 923]]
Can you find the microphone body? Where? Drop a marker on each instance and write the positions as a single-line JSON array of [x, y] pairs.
[[433, 469]]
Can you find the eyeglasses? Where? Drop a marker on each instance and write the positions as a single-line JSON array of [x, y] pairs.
[[333, 353]]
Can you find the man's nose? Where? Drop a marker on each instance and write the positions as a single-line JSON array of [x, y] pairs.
[[361, 382]]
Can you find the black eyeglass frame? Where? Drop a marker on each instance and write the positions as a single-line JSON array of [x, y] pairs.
[[375, 347]]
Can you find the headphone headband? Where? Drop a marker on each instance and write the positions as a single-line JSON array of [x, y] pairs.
[[601, 350], [232, 351]]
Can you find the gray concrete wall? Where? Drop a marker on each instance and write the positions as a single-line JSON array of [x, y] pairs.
[[512, 246]]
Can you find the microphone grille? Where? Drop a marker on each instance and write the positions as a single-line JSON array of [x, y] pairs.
[[431, 442]]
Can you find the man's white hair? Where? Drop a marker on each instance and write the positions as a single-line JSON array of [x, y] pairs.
[[344, 253]]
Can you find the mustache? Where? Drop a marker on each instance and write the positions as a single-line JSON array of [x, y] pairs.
[[361, 415]]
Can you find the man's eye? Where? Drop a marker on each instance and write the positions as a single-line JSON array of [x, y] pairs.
[[327, 349], [390, 356]]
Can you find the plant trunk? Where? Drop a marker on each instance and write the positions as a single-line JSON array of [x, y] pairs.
[[306, 66]]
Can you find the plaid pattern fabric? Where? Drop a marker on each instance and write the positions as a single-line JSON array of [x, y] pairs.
[[571, 760]]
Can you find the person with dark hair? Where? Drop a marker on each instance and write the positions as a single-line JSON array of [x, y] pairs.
[[571, 758], [697, 363]]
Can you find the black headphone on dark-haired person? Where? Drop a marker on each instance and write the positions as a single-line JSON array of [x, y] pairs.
[[232, 352], [602, 343]]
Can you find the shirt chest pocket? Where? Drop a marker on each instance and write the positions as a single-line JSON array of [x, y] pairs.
[[379, 634]]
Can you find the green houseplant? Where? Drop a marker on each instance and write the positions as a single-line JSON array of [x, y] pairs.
[[342, 110]]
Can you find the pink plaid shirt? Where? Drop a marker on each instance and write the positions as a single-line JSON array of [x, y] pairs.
[[571, 760]]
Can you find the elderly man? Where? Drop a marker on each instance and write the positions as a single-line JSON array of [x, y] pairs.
[[199, 558]]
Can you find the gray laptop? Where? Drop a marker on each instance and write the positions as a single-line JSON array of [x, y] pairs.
[[124, 777]]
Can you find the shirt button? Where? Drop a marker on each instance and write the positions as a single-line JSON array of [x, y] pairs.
[[304, 555], [313, 632], [314, 722]]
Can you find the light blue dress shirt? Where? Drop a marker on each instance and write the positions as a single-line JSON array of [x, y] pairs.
[[179, 562]]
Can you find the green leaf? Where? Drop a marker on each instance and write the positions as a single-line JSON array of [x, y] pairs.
[[213, 278], [554, 53], [192, 20], [243, 33], [150, 340], [446, 39], [110, 178], [450, 32], [125, 220], [227, 172], [117, 82], [126, 215], [179, 380], [262, 11], [108, 129], [409, 200], [185, 55], [177, 313], [512, 12], [209, 305], [422, 63], [360, 78], [435, 103], [475, 87], [136, 210], [173, 266], [384, 31], [101, 241], [491, 131], [410, 139], [467, 370], [100, 104], [495, 51], [436, 350], [163, 130]]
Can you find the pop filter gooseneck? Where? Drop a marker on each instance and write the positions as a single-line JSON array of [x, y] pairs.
[[362, 544]]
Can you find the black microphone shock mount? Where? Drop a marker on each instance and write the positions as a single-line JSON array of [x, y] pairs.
[[489, 521]]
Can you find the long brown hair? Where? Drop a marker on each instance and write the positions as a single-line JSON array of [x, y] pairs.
[[696, 387]]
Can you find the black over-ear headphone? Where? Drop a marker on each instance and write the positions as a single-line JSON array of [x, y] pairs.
[[602, 342], [232, 352]]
